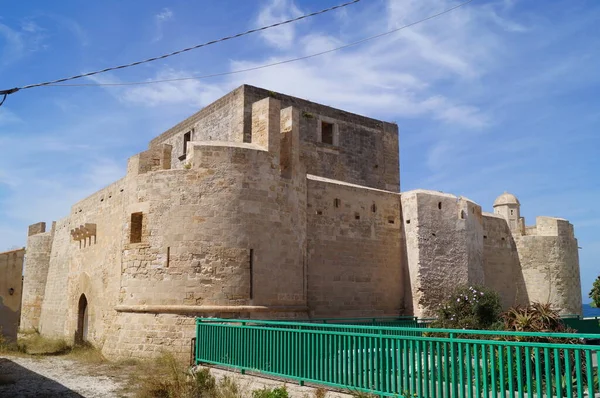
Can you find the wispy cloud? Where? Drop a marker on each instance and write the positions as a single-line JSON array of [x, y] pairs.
[[160, 19], [275, 11], [192, 94]]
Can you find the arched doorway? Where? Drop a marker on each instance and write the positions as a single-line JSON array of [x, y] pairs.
[[82, 320]]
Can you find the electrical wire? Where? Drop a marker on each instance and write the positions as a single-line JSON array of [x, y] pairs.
[[266, 65], [5, 93]]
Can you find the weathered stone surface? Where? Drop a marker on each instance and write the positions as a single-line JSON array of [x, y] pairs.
[[242, 211], [11, 268]]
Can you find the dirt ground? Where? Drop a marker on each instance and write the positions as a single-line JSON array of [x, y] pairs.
[[50, 377]]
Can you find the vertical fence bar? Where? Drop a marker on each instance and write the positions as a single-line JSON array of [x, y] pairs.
[[519, 371], [511, 386], [461, 370], [528, 372], [568, 381], [538, 372], [557, 381], [589, 366], [484, 363], [446, 371], [547, 373], [476, 369], [440, 378], [493, 369], [469, 364], [427, 358], [502, 381], [578, 372]]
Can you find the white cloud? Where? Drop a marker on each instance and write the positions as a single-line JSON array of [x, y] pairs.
[[160, 19], [190, 93], [281, 37]]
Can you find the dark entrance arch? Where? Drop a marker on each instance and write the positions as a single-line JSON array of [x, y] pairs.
[[82, 320]]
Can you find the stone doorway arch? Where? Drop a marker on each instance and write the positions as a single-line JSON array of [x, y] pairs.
[[82, 320]]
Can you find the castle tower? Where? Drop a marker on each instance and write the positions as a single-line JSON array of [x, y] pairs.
[[507, 205]]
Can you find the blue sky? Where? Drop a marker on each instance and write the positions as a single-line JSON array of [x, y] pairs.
[[498, 95]]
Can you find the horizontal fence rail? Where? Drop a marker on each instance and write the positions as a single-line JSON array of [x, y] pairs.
[[429, 363]]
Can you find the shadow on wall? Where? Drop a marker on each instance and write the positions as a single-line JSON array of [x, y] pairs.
[[17, 381], [9, 322], [520, 294], [408, 292]]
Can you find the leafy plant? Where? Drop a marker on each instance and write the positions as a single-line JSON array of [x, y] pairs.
[[471, 307], [595, 293], [279, 392]]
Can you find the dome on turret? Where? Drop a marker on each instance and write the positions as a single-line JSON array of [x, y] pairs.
[[506, 199]]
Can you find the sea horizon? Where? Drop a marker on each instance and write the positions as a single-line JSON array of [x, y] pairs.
[[589, 311]]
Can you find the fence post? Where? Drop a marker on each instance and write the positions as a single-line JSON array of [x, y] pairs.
[[453, 364], [244, 350]]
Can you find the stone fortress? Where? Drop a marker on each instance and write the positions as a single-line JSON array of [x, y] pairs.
[[262, 205]]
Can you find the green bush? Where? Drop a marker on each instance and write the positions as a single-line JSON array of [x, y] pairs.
[[279, 392], [470, 307], [595, 293]]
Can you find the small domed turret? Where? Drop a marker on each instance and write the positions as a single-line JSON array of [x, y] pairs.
[[507, 205], [506, 199]]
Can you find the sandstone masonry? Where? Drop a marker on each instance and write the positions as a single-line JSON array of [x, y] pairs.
[[264, 205]]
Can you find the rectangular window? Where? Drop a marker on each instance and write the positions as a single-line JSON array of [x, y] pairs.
[[135, 234], [327, 133], [187, 137]]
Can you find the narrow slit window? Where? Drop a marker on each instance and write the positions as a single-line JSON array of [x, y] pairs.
[[187, 137], [135, 235], [337, 202], [327, 133], [440, 205]]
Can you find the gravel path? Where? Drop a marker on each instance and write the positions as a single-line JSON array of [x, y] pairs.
[[51, 377]]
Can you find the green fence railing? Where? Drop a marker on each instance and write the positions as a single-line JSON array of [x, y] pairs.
[[443, 363], [583, 325]]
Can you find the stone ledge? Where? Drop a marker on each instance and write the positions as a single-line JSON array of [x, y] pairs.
[[193, 309]]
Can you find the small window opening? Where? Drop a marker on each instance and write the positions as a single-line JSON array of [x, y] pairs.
[[356, 216], [319, 213], [391, 220], [337, 202], [473, 210], [135, 235], [187, 137], [408, 221], [512, 212], [440, 205], [484, 236], [432, 234], [374, 208], [503, 239], [327, 133], [462, 214], [168, 256]]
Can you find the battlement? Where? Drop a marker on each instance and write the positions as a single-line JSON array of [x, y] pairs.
[[332, 143], [551, 226]]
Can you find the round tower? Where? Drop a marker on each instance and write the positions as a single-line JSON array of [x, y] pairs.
[[507, 205]]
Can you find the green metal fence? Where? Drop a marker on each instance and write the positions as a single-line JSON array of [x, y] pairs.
[[584, 325], [442, 363]]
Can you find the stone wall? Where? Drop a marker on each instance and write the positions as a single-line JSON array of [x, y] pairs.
[[355, 253], [11, 271], [223, 120], [39, 245], [444, 244], [501, 264], [365, 151], [550, 264]]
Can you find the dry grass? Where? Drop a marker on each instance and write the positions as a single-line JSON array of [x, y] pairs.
[[166, 377], [35, 344]]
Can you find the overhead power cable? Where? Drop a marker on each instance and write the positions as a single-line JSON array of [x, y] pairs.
[[5, 93], [286, 61]]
